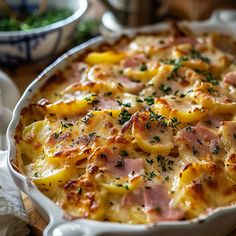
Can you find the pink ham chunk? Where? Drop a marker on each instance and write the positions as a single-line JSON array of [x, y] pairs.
[[156, 203], [106, 103], [133, 198], [185, 40], [130, 86], [119, 166], [200, 140], [230, 78], [134, 61], [214, 121]]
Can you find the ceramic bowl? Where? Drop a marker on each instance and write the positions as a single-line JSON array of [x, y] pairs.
[[40, 43]]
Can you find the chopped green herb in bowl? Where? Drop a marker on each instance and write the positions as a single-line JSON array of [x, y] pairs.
[[32, 21]]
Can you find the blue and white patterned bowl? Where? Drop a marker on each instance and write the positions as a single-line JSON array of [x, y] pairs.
[[41, 43]]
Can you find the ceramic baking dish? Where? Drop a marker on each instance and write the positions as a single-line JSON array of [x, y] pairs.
[[218, 222]]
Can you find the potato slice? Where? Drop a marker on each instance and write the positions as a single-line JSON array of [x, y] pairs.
[[151, 136], [52, 182], [108, 57], [202, 186], [184, 109]]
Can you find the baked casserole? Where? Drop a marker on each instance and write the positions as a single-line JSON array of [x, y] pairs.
[[139, 132]]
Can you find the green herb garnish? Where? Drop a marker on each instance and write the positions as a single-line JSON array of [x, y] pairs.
[[143, 67], [124, 117], [32, 21], [149, 100], [165, 88]]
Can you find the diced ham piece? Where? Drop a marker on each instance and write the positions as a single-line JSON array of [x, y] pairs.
[[200, 140], [213, 121], [106, 103], [134, 61], [156, 202], [183, 40], [133, 198], [230, 78], [129, 85], [119, 166]]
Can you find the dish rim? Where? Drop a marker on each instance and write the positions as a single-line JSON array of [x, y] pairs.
[[27, 186]]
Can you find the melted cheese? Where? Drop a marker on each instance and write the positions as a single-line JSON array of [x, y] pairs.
[[136, 133]]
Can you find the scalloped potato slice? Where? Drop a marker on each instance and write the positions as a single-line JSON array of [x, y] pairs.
[[140, 75], [184, 109], [71, 107], [56, 179], [212, 97], [123, 186], [34, 136], [83, 196], [201, 186], [108, 57], [38, 130], [151, 136]]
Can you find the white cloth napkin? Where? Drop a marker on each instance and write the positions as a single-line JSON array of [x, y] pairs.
[[13, 217]]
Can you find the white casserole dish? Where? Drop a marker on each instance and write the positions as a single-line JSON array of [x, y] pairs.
[[218, 222]]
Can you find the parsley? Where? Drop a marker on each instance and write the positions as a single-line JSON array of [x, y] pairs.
[[36, 174], [108, 94], [208, 76], [143, 67], [124, 117], [139, 100], [124, 104], [150, 162], [124, 153], [86, 118], [163, 121], [66, 125], [165, 88], [92, 101], [91, 135], [124, 186], [56, 135], [156, 139], [79, 190], [173, 122], [164, 163], [174, 73], [194, 54], [152, 175], [149, 100], [120, 163], [167, 178]]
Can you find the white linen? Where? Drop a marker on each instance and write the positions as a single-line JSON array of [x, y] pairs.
[[13, 217]]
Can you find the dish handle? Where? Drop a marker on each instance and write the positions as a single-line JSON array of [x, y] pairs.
[[69, 228], [82, 228]]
